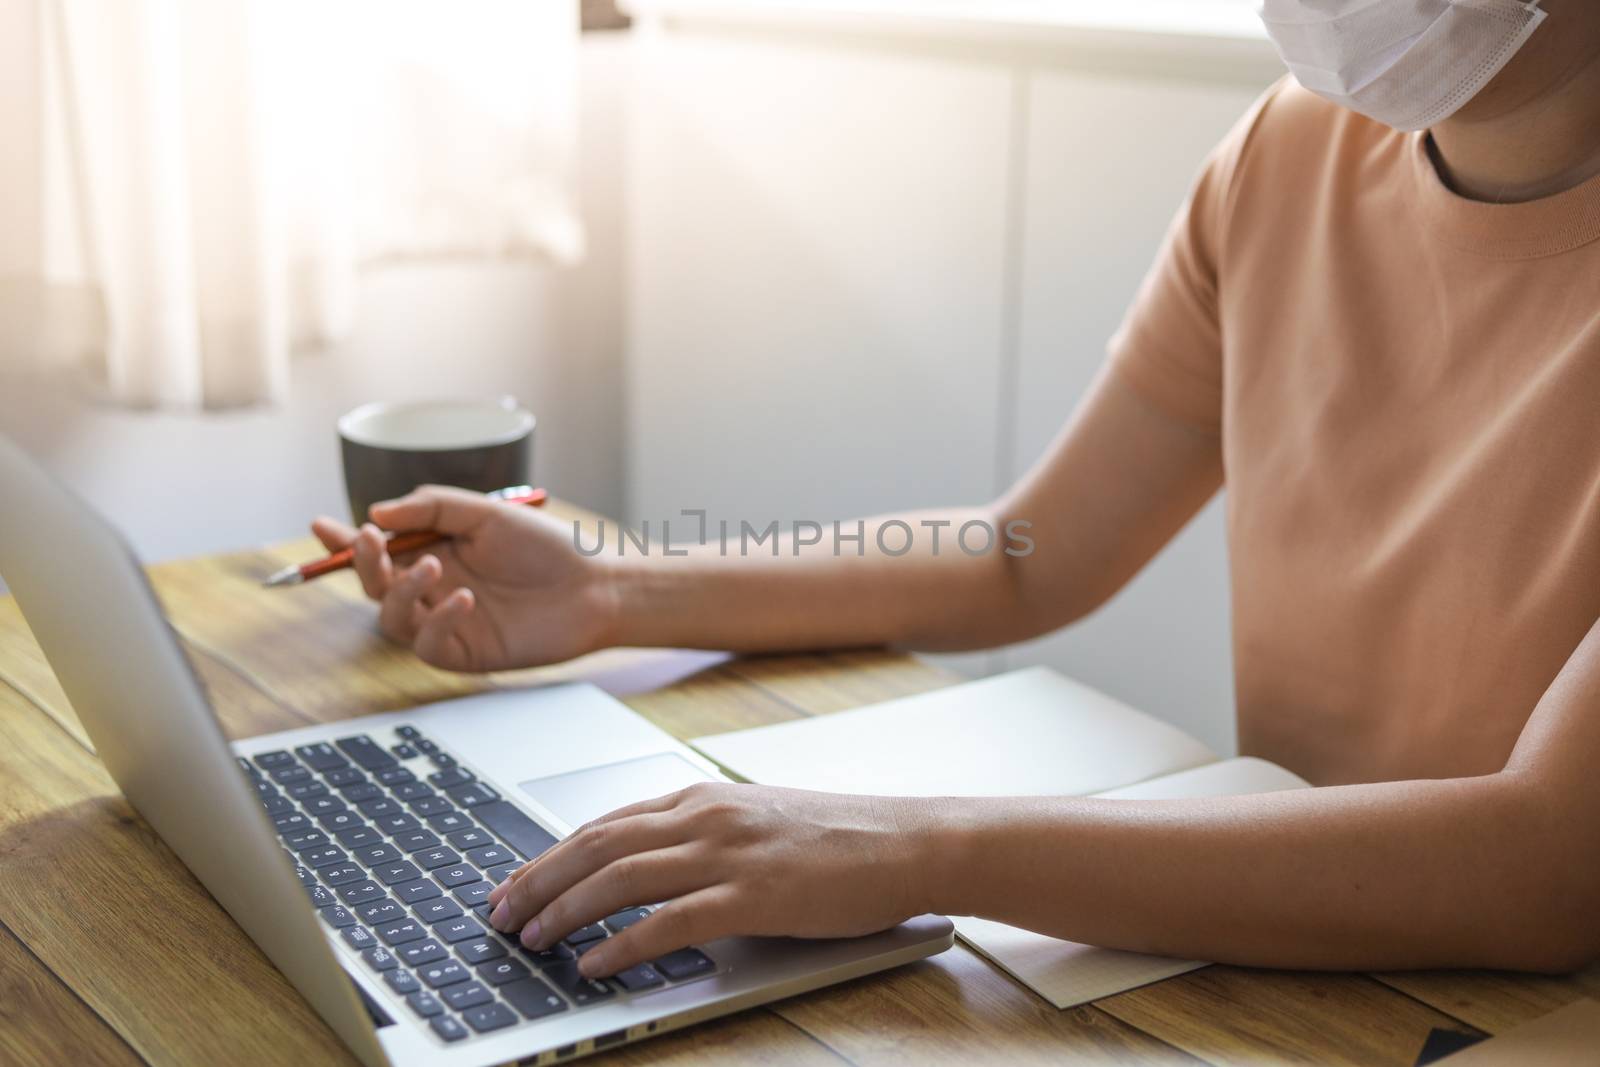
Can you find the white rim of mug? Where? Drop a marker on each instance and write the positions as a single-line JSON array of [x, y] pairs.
[[350, 420]]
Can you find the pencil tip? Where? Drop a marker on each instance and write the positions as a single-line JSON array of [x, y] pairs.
[[287, 576]]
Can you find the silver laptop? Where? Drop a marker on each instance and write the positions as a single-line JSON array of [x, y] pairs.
[[358, 855]]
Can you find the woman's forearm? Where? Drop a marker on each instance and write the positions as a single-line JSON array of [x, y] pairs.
[[1483, 872], [915, 587]]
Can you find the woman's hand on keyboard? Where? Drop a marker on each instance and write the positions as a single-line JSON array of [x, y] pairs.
[[731, 859], [508, 589]]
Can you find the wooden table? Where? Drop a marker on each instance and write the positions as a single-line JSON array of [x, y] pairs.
[[111, 952]]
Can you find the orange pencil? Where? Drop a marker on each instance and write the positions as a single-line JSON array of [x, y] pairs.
[[398, 544]]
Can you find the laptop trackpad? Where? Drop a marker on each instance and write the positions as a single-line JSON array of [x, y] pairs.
[[575, 797]]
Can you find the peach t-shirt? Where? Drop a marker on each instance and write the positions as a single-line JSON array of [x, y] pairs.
[[1404, 386]]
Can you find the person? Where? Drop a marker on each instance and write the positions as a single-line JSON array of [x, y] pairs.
[[1376, 321]]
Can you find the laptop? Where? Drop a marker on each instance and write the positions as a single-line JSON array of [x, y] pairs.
[[358, 855]]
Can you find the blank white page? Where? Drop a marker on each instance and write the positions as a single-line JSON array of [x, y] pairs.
[[1029, 732]]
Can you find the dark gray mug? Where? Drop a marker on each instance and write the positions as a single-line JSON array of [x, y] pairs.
[[390, 449]]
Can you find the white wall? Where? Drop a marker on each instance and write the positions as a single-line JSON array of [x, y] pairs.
[[183, 484]]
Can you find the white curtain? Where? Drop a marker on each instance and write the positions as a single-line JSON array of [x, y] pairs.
[[215, 171]]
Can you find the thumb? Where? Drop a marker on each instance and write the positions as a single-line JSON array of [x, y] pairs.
[[434, 507]]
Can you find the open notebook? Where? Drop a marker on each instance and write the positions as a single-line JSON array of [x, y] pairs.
[[1030, 732]]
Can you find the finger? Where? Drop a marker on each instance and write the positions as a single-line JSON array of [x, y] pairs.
[[665, 802], [434, 507], [577, 858], [665, 874], [333, 534], [439, 637], [403, 603], [702, 916], [373, 565]]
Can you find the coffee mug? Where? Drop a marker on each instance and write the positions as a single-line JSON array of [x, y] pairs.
[[390, 449]]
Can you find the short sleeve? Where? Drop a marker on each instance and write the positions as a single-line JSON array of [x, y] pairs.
[[1170, 344]]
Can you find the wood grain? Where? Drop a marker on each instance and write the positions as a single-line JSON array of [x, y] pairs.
[[42, 1021], [1495, 1001]]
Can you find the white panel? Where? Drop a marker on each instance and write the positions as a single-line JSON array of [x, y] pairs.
[[817, 257], [1109, 161]]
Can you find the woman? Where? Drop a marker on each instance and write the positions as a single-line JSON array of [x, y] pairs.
[[1387, 345]]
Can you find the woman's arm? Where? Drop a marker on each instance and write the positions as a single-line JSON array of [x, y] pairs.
[[1501, 870], [1119, 481]]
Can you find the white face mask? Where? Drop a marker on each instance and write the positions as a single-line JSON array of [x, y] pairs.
[[1406, 63]]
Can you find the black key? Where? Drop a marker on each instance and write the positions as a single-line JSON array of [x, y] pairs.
[[320, 897], [360, 892], [344, 777], [498, 874], [442, 759], [448, 1027], [380, 911], [437, 857], [321, 756], [357, 836], [248, 767], [396, 824], [474, 893], [439, 975], [453, 930], [265, 790], [412, 840], [359, 937], [491, 856], [502, 971], [489, 1016], [580, 990], [532, 998], [295, 775], [365, 752], [375, 806], [592, 932], [382, 852], [510, 825], [642, 976], [272, 760], [307, 790], [560, 952], [584, 946], [292, 823], [325, 805], [626, 918], [393, 776], [277, 805], [460, 874], [425, 1004], [325, 856], [409, 732], [334, 821], [362, 790], [472, 837], [473, 794], [413, 790], [424, 745], [337, 917], [402, 932], [434, 911], [403, 751], [305, 839], [421, 889], [448, 821], [402, 982], [480, 950], [684, 964], [432, 805], [462, 997], [343, 874], [450, 777], [420, 952], [395, 873], [306, 875], [380, 958]]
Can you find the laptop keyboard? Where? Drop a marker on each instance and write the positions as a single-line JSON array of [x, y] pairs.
[[397, 845]]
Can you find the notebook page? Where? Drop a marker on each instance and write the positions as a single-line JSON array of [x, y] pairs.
[[1066, 973], [1030, 732]]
